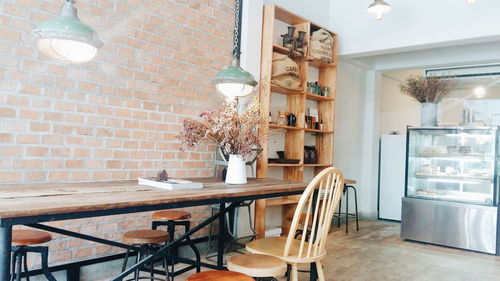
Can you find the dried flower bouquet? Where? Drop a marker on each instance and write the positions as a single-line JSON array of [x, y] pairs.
[[426, 89], [234, 132]]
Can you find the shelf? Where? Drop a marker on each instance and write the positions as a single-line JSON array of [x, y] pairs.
[[278, 89], [319, 63], [276, 126], [298, 165], [281, 201], [318, 165], [318, 131], [455, 155], [283, 165], [454, 177], [310, 96], [286, 51]]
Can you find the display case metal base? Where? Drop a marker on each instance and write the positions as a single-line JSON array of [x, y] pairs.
[[471, 227]]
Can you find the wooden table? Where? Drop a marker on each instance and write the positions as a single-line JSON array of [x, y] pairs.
[[36, 203]]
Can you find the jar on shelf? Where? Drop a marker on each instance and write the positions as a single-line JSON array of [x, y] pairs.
[[282, 120]]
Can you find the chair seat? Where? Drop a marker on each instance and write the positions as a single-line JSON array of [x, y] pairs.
[[219, 275], [146, 236], [275, 246], [30, 237], [257, 265], [348, 181], [171, 215]]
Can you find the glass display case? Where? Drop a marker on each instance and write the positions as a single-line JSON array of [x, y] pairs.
[[451, 194], [453, 164]]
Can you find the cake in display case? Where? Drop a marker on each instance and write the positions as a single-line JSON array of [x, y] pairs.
[[451, 194]]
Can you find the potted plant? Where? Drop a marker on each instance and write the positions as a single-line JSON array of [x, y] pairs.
[[428, 91], [236, 133]]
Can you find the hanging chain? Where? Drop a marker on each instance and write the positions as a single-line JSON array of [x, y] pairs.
[[236, 38]]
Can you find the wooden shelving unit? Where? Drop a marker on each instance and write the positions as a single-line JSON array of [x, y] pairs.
[[274, 18]]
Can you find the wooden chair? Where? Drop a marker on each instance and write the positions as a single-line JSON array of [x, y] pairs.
[[219, 275], [319, 208], [257, 265]]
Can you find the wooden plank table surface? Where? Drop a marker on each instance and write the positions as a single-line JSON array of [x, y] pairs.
[[30, 204], [26, 200]]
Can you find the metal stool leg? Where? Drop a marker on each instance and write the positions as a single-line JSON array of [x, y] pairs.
[[24, 259], [171, 251], [125, 261], [356, 206], [193, 247], [340, 212], [45, 267], [16, 265], [13, 263], [346, 191], [137, 272]]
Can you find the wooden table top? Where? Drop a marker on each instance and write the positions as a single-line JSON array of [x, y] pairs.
[[24, 200]]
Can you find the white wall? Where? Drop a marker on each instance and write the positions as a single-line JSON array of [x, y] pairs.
[[396, 110], [317, 11], [413, 25]]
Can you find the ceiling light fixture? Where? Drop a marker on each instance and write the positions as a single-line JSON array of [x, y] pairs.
[[471, 1], [479, 92], [66, 38], [378, 8], [234, 81]]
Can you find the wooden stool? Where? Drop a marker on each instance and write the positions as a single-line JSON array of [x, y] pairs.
[[348, 184], [23, 241], [171, 219], [149, 242], [219, 275], [257, 265]]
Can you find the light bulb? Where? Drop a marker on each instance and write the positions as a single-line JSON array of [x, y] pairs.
[[378, 8], [67, 50], [378, 16], [232, 90], [479, 92]]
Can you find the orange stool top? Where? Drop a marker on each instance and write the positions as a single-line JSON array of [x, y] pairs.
[[171, 215], [348, 181], [219, 275], [146, 236], [30, 237]]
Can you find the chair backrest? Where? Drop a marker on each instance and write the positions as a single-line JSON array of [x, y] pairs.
[[318, 213]]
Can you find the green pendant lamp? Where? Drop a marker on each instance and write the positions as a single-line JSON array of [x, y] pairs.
[[234, 81], [66, 38]]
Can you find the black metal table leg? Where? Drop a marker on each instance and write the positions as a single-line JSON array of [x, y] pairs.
[[5, 248], [346, 210], [222, 232]]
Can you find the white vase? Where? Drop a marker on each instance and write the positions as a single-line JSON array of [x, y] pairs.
[[428, 114], [236, 170]]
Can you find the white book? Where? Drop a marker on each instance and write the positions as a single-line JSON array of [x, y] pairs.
[[170, 183]]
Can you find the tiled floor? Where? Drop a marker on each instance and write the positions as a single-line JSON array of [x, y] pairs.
[[377, 253]]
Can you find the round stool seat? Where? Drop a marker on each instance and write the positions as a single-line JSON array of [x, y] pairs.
[[171, 215], [257, 265], [219, 275], [348, 181], [30, 237], [146, 236]]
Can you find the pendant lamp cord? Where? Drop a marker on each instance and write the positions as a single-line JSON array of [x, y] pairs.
[[237, 29], [71, 1]]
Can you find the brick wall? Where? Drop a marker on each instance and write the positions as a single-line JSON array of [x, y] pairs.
[[116, 117]]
